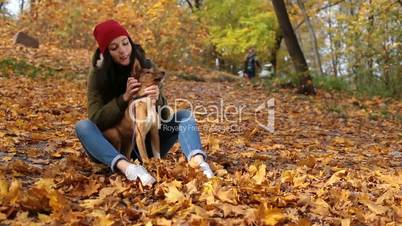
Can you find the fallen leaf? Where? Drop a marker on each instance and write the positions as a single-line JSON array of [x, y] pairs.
[[377, 209], [2, 216], [320, 207], [345, 222], [163, 222], [228, 195], [335, 177], [208, 193], [191, 187], [173, 195], [269, 216], [102, 219], [3, 186], [259, 177], [14, 192]]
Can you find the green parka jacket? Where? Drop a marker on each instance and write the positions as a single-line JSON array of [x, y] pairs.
[[105, 91]]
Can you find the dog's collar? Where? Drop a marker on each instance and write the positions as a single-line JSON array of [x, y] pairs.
[[139, 97]]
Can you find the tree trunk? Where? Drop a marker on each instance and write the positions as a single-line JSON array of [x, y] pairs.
[[198, 4], [275, 50], [299, 62], [34, 9], [190, 5], [22, 3], [334, 55], [313, 36], [369, 45]]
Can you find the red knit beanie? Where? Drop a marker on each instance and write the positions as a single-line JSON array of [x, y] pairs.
[[106, 31]]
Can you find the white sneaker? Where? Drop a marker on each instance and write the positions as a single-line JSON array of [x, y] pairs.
[[206, 169], [136, 171]]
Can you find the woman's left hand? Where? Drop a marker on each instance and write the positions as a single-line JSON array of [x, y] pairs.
[[152, 92]]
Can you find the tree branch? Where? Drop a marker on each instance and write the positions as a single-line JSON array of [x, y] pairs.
[[320, 9], [190, 5]]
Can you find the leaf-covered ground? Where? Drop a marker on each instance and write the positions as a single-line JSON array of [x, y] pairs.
[[332, 159]]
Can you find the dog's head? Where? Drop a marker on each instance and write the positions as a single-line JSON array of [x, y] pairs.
[[151, 76], [148, 76]]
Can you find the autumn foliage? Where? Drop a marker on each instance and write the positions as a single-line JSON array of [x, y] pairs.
[[333, 159]]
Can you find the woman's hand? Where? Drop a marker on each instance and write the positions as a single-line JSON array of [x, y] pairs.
[[132, 88], [152, 92]]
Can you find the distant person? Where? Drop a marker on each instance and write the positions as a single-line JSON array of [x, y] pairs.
[[217, 63], [250, 64]]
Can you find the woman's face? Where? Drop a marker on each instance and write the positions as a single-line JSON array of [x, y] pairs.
[[120, 50]]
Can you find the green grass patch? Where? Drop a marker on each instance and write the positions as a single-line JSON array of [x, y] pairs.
[[223, 78], [190, 77], [14, 67], [357, 85], [331, 83], [286, 81]]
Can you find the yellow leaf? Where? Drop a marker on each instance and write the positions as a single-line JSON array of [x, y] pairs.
[[198, 211], [395, 181], [119, 185], [228, 195], [191, 187], [91, 203], [377, 209], [287, 176], [3, 186], [45, 183], [44, 218], [208, 193], [102, 218], [388, 195], [173, 195], [300, 181], [321, 207], [259, 177], [103, 193], [335, 177], [232, 210], [345, 222], [269, 216], [2, 216], [14, 191], [163, 222]]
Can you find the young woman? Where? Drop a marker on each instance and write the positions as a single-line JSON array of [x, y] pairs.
[[110, 89]]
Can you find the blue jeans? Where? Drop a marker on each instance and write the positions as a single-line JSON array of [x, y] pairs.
[[181, 126]]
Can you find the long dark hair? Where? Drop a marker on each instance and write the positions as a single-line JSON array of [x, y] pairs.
[[111, 77]]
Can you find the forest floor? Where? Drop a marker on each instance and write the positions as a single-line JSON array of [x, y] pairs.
[[328, 159]]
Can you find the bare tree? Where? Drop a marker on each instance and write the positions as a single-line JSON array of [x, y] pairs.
[[275, 50], [190, 5], [22, 3], [334, 51], [313, 36], [306, 84], [198, 4]]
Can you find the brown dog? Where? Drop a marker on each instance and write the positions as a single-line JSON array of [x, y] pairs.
[[140, 118]]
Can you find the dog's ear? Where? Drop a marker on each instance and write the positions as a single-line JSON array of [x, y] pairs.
[[136, 70]]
